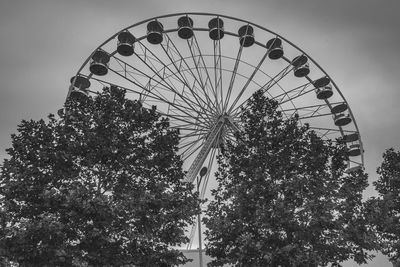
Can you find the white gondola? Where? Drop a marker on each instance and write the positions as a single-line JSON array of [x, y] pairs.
[[324, 92], [339, 108], [125, 46], [185, 25], [246, 35], [275, 49], [155, 32], [78, 94], [351, 137], [216, 28], [301, 66], [80, 84], [323, 89], [342, 119], [354, 150], [99, 63]]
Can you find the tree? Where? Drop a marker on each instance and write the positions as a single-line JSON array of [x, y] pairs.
[[385, 209], [101, 186], [283, 197]]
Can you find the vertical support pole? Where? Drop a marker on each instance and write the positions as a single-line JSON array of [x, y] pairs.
[[199, 225]]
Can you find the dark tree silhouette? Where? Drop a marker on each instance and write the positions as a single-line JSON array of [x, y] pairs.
[[101, 186], [284, 198], [385, 209]]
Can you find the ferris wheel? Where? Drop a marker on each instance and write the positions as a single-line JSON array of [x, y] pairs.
[[200, 69]]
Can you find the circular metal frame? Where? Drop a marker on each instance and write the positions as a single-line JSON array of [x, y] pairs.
[[201, 84]]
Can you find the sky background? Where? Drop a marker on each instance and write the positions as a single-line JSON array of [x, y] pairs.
[[44, 42]]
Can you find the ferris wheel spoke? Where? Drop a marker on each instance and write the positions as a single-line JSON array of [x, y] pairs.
[[314, 116], [161, 75], [231, 138], [336, 130], [195, 133], [189, 135], [170, 49], [177, 115], [355, 162], [304, 92], [179, 103], [307, 115], [184, 84], [201, 68], [147, 61], [182, 108], [188, 128], [218, 72], [272, 82], [154, 88], [140, 92], [151, 90], [188, 143], [291, 94], [191, 148], [232, 81], [129, 76], [202, 71], [191, 113], [248, 82], [188, 120], [130, 70], [310, 110], [278, 77], [327, 132], [185, 126], [179, 119], [193, 127]]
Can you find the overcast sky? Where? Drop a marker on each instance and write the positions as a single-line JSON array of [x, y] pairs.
[[44, 42]]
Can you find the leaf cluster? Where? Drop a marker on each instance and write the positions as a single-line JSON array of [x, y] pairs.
[[384, 210], [100, 186], [284, 198]]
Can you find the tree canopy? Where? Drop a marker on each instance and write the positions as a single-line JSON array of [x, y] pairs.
[[284, 198], [100, 186], [385, 209]]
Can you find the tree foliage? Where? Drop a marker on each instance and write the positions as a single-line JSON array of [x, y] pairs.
[[385, 209], [284, 198], [101, 186]]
